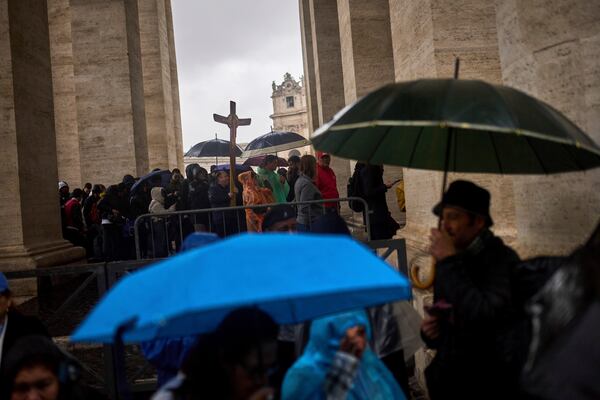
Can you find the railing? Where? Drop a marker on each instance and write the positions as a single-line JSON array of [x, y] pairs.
[[161, 234], [89, 282]]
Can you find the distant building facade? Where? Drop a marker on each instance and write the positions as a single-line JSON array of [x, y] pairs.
[[289, 108]]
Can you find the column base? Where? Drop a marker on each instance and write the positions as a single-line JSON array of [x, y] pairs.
[[15, 258]]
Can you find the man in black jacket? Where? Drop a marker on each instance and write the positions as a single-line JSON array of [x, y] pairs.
[[472, 301]]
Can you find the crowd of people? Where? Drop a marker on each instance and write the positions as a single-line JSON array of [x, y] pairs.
[[101, 219], [501, 327]]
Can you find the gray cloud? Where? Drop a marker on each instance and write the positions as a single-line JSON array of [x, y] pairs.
[[232, 50]]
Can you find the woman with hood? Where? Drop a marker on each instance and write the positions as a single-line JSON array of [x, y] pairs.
[[160, 228], [338, 364], [254, 195]]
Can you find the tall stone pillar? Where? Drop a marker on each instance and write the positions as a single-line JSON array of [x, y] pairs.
[[174, 88], [309, 67], [110, 89], [30, 235], [329, 85], [63, 83], [552, 50], [366, 45], [159, 107]]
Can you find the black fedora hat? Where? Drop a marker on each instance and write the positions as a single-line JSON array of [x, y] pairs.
[[467, 196]]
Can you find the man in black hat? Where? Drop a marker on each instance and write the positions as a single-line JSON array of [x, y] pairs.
[[472, 307]]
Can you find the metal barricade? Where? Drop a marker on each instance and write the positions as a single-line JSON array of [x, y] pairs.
[[65, 294], [161, 234], [86, 284]]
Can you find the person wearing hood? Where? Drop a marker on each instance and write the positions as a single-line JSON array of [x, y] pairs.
[[254, 195], [197, 198], [338, 364], [270, 179], [64, 195], [159, 204]]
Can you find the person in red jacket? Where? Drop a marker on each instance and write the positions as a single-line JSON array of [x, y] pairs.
[[326, 182]]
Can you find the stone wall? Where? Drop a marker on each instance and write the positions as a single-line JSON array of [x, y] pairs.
[[551, 50]]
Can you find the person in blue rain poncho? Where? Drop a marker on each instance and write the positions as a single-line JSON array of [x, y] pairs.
[[337, 363]]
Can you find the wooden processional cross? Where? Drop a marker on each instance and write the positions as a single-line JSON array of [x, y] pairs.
[[232, 121]]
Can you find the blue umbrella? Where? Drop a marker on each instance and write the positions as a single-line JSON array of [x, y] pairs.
[[165, 178], [294, 278]]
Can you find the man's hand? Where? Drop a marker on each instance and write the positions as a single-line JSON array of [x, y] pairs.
[[265, 393], [430, 327], [389, 185], [441, 244]]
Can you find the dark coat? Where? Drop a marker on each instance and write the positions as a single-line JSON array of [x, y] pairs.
[[383, 226], [470, 362], [225, 223], [20, 325]]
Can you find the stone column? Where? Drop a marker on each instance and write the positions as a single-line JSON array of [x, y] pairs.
[[174, 89], [366, 45], [329, 85], [30, 235], [63, 83], [110, 90], [552, 50], [309, 67], [156, 57]]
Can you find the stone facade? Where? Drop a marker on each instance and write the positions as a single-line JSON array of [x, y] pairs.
[[88, 89], [289, 108], [549, 49]]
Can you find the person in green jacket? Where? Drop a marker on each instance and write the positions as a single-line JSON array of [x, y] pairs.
[[270, 179]]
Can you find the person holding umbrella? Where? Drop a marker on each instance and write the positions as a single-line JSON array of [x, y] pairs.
[[472, 300]]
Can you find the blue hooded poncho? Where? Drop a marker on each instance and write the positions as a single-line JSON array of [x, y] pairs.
[[306, 378]]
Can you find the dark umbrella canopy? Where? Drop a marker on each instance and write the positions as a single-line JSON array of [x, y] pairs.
[[154, 176], [274, 142], [257, 161], [458, 125], [212, 148]]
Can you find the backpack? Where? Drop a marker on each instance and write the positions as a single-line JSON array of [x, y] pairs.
[[354, 189]]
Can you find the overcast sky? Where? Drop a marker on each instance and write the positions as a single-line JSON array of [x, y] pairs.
[[232, 50]]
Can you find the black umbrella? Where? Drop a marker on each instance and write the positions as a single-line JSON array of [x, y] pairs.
[[274, 142], [212, 148]]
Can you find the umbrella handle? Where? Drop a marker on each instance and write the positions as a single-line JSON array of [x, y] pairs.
[[416, 281]]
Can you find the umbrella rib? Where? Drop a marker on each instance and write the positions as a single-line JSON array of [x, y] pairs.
[[412, 153], [496, 152], [536, 155], [379, 142], [568, 149]]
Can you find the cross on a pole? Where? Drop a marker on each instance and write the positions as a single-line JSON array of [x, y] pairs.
[[232, 121]]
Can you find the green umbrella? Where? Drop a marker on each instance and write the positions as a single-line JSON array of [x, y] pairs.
[[458, 126]]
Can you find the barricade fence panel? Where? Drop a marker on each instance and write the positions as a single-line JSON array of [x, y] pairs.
[[162, 234], [66, 294]]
